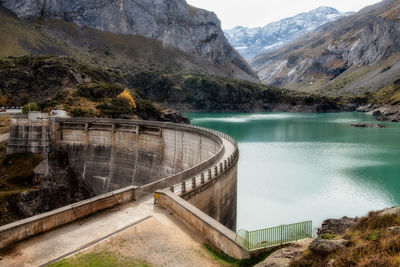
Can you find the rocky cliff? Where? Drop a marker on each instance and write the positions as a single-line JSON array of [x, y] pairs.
[[173, 22], [355, 54], [250, 42]]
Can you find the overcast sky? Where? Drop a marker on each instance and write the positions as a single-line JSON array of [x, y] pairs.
[[255, 13]]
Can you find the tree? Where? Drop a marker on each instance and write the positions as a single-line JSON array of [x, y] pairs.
[[126, 99], [29, 107], [3, 100]]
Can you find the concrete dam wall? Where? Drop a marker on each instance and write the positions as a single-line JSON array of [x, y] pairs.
[[112, 154], [193, 171]]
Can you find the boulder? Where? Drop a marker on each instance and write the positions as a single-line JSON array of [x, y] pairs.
[[390, 211], [336, 226], [325, 246], [59, 114]]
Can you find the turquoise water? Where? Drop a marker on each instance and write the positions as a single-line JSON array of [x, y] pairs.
[[300, 166]]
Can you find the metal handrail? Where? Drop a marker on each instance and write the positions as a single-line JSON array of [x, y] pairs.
[[274, 236]]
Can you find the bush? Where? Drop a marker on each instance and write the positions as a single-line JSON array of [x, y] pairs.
[[29, 107], [126, 100]]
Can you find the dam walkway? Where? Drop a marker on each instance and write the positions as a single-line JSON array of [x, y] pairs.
[[148, 233]]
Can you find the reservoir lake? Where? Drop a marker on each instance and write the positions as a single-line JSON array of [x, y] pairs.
[[296, 167]]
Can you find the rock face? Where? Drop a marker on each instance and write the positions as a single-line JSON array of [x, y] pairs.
[[355, 54], [174, 22], [250, 42]]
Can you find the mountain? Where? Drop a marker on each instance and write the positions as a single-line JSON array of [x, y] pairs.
[[354, 55], [253, 41], [61, 65], [172, 22]]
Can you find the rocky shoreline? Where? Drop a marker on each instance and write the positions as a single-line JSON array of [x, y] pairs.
[[388, 113]]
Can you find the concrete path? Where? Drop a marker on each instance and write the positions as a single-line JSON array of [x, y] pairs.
[[158, 238], [48, 246]]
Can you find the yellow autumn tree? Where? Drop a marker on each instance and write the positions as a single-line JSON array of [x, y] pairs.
[[126, 98], [3, 100]]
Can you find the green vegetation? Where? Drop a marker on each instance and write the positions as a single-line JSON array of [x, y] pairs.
[[96, 91], [328, 236], [229, 261], [372, 243], [29, 107], [99, 259]]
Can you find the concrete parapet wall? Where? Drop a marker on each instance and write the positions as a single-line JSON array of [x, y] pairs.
[[23, 229], [217, 197], [216, 233]]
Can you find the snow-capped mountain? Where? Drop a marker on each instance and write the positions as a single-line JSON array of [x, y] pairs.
[[250, 42]]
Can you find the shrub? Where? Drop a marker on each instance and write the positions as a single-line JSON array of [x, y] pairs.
[[29, 107], [126, 100], [3, 100]]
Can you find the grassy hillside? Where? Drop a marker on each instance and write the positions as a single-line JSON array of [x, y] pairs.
[[373, 241]]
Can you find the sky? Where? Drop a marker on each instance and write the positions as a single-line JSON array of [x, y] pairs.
[[257, 13]]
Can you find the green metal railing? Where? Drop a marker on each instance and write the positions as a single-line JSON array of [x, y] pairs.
[[274, 236]]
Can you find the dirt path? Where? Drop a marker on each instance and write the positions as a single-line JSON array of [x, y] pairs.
[[158, 243]]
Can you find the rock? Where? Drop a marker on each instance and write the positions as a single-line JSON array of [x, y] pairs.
[[173, 116], [337, 226], [284, 256], [325, 246], [308, 62], [367, 125], [390, 211], [394, 229], [254, 41], [376, 112], [365, 108], [59, 114], [173, 22]]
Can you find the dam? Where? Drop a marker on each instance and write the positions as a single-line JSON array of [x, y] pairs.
[[126, 160]]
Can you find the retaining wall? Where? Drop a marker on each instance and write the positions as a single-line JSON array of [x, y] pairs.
[[23, 229], [216, 233]]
